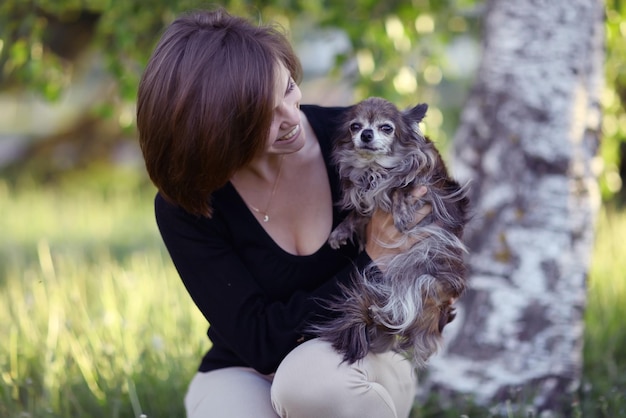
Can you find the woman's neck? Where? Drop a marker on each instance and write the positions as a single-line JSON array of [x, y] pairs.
[[264, 168]]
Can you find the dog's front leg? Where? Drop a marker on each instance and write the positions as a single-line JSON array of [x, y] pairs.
[[404, 208], [352, 227]]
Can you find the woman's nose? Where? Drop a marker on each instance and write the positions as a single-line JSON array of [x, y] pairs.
[[290, 110]]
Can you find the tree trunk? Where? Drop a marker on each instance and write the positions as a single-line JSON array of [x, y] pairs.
[[527, 142]]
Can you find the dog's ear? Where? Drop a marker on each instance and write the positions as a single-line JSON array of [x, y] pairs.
[[417, 113]]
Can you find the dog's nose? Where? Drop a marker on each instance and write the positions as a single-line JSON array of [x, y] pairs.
[[367, 135]]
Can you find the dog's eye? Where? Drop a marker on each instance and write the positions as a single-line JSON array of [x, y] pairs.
[[355, 127], [386, 128]]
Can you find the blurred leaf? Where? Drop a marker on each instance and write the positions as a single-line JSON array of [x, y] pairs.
[[42, 39]]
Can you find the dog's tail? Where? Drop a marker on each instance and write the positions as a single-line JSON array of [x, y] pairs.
[[355, 331]]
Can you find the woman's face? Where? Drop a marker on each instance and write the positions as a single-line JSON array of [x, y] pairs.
[[286, 133]]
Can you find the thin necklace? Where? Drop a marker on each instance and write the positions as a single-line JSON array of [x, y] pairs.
[[265, 213]]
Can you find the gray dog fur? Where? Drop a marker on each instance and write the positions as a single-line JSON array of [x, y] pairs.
[[403, 302]]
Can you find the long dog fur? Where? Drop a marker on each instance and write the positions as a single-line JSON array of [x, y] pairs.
[[400, 303]]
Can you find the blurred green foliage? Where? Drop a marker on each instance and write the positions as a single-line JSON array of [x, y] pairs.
[[614, 102], [400, 50]]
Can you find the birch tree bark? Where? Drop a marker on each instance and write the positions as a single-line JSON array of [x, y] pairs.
[[527, 142]]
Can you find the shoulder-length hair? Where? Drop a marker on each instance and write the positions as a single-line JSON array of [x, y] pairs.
[[205, 102]]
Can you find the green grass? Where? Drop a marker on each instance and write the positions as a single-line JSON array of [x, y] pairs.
[[604, 387], [94, 321]]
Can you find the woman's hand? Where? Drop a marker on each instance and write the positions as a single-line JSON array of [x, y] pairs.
[[383, 238]]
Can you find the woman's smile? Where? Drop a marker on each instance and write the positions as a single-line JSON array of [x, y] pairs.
[[290, 135]]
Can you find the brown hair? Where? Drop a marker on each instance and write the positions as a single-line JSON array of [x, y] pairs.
[[205, 102]]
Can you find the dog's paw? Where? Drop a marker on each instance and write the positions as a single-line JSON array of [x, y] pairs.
[[338, 238], [336, 243]]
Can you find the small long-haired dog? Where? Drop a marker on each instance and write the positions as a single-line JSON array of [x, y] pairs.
[[401, 303]]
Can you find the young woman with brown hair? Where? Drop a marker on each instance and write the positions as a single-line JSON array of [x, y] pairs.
[[245, 199]]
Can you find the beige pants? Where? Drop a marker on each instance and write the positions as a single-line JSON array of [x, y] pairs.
[[311, 382]]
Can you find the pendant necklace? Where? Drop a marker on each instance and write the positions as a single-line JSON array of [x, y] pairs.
[[265, 213]]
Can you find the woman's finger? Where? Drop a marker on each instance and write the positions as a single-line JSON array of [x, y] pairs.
[[419, 191]]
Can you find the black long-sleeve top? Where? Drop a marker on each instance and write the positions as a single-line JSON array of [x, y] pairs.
[[257, 298]]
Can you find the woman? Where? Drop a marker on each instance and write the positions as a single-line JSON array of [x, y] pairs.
[[245, 206]]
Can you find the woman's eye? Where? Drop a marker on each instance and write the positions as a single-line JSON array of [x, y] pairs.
[[291, 86], [386, 129]]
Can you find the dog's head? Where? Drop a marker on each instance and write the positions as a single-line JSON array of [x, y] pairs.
[[376, 126]]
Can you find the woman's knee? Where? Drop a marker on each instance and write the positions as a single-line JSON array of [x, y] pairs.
[[314, 381], [230, 392], [309, 374]]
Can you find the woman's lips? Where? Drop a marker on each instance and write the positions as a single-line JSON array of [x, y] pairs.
[[289, 135]]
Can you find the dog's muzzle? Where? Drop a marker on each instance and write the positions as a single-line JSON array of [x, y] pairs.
[[367, 136]]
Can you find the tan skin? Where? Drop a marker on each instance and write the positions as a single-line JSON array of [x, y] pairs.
[[299, 201]]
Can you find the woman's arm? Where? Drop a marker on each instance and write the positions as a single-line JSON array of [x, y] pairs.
[[260, 331]]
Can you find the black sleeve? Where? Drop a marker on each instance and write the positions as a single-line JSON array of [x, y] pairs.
[[259, 331]]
